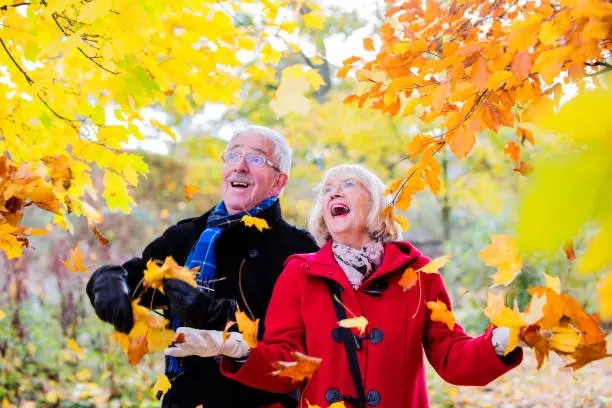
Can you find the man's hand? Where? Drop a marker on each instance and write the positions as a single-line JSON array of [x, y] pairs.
[[196, 308], [208, 343], [109, 294]]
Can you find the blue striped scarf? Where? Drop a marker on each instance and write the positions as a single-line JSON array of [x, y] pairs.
[[203, 255]]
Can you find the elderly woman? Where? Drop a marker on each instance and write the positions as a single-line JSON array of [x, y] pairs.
[[357, 269]]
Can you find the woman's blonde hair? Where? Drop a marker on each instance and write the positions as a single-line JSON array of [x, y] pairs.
[[380, 225]]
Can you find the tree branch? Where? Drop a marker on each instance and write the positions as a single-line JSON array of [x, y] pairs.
[[70, 122], [96, 62], [25, 74]]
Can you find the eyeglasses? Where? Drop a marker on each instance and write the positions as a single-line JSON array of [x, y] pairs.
[[344, 186], [251, 159]]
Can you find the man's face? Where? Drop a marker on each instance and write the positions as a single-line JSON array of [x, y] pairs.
[[243, 185]]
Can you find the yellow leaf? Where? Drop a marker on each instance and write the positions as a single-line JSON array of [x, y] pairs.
[[2, 315], [8, 242], [164, 129], [248, 328], [504, 255], [359, 323], [75, 348], [553, 282], [256, 222], [433, 266], [162, 384], [76, 257], [508, 318], [495, 303], [605, 297], [440, 313], [314, 20], [402, 221], [290, 97], [564, 340], [536, 309], [123, 340]]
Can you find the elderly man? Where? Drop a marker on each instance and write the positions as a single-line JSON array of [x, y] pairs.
[[241, 262]]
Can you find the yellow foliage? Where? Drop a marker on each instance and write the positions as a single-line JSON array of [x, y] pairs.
[[256, 222]]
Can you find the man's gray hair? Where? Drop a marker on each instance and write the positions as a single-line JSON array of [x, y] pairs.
[[282, 151]]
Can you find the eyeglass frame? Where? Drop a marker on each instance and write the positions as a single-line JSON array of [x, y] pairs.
[[321, 194], [244, 155]]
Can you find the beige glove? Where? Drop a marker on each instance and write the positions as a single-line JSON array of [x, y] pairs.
[[500, 339], [208, 343]]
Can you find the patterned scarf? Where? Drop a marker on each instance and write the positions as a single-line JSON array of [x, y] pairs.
[[359, 264], [203, 255]]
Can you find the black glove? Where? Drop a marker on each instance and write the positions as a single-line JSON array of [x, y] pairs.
[[109, 294], [197, 309]]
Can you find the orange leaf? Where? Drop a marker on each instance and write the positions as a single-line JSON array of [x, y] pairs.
[[461, 141], [101, 238], [190, 191], [524, 168], [521, 65], [178, 338], [569, 250], [138, 348], [525, 135], [584, 354], [480, 74], [440, 313], [408, 279], [490, 116], [513, 151], [76, 257], [368, 44], [248, 328], [75, 348], [301, 368], [533, 338]]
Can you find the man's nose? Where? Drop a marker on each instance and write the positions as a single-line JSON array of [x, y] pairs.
[[241, 166]]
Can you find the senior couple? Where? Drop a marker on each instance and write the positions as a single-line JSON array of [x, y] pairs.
[[302, 284]]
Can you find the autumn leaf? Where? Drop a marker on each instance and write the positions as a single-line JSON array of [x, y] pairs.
[[495, 303], [368, 44], [162, 384], [409, 279], [533, 338], [256, 222], [155, 274], [512, 151], [568, 248], [535, 310], [524, 168], [137, 349], [75, 348], [190, 191], [433, 266], [504, 255], [440, 313], [553, 282], [302, 367], [358, 323], [605, 297], [101, 238], [178, 338], [248, 328], [123, 340], [584, 354], [565, 339], [76, 257]]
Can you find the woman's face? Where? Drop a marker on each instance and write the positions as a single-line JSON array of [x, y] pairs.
[[345, 205]]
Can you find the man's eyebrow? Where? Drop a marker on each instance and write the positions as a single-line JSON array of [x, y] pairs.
[[251, 148]]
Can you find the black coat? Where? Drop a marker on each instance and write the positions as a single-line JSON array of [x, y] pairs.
[[262, 255]]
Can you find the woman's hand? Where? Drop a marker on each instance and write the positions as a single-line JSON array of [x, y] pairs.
[[208, 343], [500, 340]]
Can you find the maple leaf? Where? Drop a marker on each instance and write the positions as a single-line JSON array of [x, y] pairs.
[[248, 328], [553, 282], [535, 310], [409, 279], [76, 257], [512, 151], [495, 303], [301, 368], [256, 222], [564, 339], [358, 323], [75, 348], [504, 255], [190, 191], [162, 384], [433, 266], [533, 338], [440, 313], [155, 274], [290, 97], [123, 340], [101, 238], [585, 354], [137, 349]]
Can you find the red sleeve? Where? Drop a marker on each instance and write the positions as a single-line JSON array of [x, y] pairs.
[[458, 358], [284, 334]]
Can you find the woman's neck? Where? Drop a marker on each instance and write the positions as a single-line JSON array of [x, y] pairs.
[[351, 240]]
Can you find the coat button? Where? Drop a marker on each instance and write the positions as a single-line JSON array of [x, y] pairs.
[[306, 266], [373, 398], [253, 253], [332, 395], [336, 334], [376, 336]]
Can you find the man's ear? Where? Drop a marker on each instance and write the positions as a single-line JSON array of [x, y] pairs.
[[279, 183]]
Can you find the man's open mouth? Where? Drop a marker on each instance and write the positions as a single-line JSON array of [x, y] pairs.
[[339, 209], [239, 184]]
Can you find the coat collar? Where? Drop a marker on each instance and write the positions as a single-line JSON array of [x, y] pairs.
[[272, 215], [397, 254]]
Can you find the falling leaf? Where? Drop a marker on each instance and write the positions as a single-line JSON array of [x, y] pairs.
[[368, 44], [440, 313], [155, 274], [533, 338], [101, 238], [569, 250], [535, 309], [256, 222], [433, 266], [359, 323], [301, 368], [290, 97], [504, 255], [75, 348], [190, 191], [512, 151], [76, 257], [314, 19], [524, 168], [553, 282], [248, 328], [565, 339], [162, 384], [585, 354], [137, 349], [508, 318], [164, 129], [408, 279], [495, 303], [402, 221]]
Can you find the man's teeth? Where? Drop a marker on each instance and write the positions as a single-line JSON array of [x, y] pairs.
[[239, 184]]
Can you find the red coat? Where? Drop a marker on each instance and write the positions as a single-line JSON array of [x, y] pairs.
[[301, 317]]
